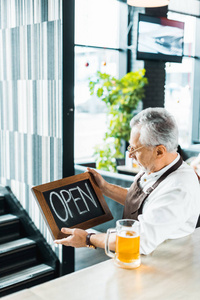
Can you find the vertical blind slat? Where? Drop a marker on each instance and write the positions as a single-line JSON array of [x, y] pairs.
[[30, 99]]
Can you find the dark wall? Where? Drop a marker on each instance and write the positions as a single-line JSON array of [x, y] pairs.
[[155, 90], [155, 71]]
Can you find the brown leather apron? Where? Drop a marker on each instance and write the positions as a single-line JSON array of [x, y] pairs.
[[136, 197]]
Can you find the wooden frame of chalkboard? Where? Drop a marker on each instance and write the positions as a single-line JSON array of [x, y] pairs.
[[73, 202]]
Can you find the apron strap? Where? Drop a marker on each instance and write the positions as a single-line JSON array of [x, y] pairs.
[[169, 171], [136, 197]]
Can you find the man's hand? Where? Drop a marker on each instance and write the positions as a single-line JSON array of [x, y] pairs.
[[76, 239], [98, 178], [117, 193]]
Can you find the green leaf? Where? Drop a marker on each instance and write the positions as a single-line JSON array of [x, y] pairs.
[[100, 92]]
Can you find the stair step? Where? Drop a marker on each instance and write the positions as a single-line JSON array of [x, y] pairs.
[[25, 279], [9, 228], [17, 255], [2, 205], [14, 245]]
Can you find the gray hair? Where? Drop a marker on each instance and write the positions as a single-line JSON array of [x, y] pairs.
[[157, 127]]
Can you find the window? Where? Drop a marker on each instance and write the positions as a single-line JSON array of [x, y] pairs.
[[99, 46], [179, 82]]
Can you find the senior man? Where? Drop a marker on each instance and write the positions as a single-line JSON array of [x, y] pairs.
[[164, 196]]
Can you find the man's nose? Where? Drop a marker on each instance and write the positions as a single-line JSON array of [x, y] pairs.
[[132, 155]]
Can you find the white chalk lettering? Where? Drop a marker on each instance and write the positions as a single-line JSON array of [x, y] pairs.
[[78, 199], [66, 197], [63, 204], [66, 201], [90, 198]]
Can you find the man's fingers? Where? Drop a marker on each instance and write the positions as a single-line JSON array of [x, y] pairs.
[[67, 230], [65, 241], [62, 241], [75, 237], [91, 171]]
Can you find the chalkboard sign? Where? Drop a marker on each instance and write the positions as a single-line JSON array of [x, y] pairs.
[[71, 202]]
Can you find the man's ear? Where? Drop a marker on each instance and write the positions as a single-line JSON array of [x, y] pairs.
[[160, 150]]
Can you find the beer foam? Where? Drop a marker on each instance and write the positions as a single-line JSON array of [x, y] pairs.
[[128, 234]]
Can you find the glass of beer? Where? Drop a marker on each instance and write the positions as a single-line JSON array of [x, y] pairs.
[[127, 250]]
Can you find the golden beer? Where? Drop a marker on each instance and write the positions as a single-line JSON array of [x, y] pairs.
[[127, 246]]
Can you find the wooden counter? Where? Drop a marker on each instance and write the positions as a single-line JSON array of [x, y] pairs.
[[171, 272]]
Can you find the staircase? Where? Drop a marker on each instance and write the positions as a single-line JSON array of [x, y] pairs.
[[25, 257]]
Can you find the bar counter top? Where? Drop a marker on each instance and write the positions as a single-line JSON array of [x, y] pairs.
[[172, 271]]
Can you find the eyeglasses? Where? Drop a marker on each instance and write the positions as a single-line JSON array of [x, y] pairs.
[[131, 149]]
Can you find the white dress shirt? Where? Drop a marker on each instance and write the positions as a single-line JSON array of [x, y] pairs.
[[172, 209]]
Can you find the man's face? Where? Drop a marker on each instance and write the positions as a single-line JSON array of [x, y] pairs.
[[145, 156]]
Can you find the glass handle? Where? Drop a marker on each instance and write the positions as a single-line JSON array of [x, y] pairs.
[[107, 250]]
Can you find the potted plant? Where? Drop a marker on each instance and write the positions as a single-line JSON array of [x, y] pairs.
[[121, 97]]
